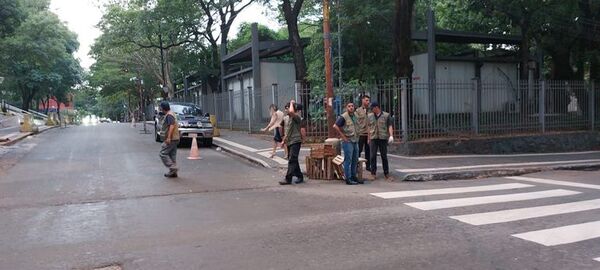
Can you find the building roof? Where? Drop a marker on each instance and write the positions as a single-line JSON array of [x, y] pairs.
[[266, 49], [462, 37]]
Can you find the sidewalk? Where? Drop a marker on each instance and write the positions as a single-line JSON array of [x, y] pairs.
[[15, 135], [256, 148]]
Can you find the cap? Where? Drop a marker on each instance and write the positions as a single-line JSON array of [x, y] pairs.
[[374, 104]]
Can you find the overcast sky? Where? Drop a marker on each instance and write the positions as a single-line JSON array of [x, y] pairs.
[[82, 16]]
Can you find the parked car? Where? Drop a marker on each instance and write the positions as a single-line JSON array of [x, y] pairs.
[[191, 120]]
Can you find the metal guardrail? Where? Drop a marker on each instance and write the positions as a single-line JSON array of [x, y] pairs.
[[16, 110]]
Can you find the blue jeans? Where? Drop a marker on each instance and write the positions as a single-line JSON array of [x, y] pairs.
[[350, 159]]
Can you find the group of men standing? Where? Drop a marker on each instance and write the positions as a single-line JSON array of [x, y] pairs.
[[366, 127]]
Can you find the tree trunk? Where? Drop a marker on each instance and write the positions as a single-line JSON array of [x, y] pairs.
[[291, 18], [524, 50], [561, 65], [402, 38]]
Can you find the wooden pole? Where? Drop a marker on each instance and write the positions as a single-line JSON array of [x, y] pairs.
[[328, 70]]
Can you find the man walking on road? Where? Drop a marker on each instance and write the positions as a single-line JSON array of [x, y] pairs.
[[381, 132], [362, 113], [347, 126], [293, 140], [170, 131]]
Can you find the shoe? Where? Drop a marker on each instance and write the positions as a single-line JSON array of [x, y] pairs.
[[285, 182], [299, 181], [171, 175], [388, 177], [351, 183], [272, 156], [359, 181]]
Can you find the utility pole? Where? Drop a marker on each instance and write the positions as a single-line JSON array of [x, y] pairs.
[[339, 43], [328, 70]]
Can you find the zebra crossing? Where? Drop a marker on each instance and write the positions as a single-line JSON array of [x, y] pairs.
[[569, 234]]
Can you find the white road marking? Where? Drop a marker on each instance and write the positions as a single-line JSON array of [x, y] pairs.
[[495, 156], [527, 213], [523, 164], [563, 235], [240, 146], [425, 192], [450, 203], [554, 182], [597, 259], [277, 159]]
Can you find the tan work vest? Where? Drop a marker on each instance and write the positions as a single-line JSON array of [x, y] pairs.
[[362, 120], [350, 128], [165, 128], [378, 126]]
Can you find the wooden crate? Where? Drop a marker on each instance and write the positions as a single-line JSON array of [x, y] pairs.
[[320, 168], [322, 151]]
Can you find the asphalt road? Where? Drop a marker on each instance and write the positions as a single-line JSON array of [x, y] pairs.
[[86, 197]]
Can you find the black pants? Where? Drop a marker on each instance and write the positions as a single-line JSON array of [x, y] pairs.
[[382, 146], [362, 143], [293, 165]]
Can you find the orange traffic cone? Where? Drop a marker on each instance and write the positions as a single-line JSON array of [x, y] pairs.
[[194, 151]]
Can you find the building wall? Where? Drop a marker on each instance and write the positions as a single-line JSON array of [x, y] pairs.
[[454, 88], [284, 75]]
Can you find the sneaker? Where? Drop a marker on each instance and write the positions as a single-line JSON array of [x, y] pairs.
[[359, 181], [285, 182], [351, 183], [388, 177], [171, 175], [299, 181]]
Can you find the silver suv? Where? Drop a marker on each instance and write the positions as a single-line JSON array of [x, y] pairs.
[[191, 120]]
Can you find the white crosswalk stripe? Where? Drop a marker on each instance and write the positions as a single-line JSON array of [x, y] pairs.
[[451, 203], [415, 193], [554, 182], [527, 213], [563, 235], [569, 234]]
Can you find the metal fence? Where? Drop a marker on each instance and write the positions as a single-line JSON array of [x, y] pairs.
[[425, 110]]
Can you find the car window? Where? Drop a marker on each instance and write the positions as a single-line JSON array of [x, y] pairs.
[[186, 110]]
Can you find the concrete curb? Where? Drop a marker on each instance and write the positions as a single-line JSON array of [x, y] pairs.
[[464, 175], [24, 135], [243, 155]]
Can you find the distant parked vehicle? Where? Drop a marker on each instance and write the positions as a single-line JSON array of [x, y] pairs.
[[105, 120], [191, 120]]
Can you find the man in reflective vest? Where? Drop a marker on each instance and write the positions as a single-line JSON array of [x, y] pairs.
[[170, 136], [381, 133], [347, 127]]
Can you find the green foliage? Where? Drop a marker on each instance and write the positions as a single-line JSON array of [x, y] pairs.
[[37, 57], [244, 36]]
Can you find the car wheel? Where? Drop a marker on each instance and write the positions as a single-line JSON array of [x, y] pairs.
[[207, 142]]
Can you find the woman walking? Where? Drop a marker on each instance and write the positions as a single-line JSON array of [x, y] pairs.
[[275, 124]]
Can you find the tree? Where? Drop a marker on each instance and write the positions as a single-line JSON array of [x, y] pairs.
[[291, 10], [39, 54], [402, 33], [159, 26]]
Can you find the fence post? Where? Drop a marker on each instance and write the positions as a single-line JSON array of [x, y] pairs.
[[250, 114], [230, 91], [542, 105], [274, 93], [404, 108], [475, 94], [592, 110]]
